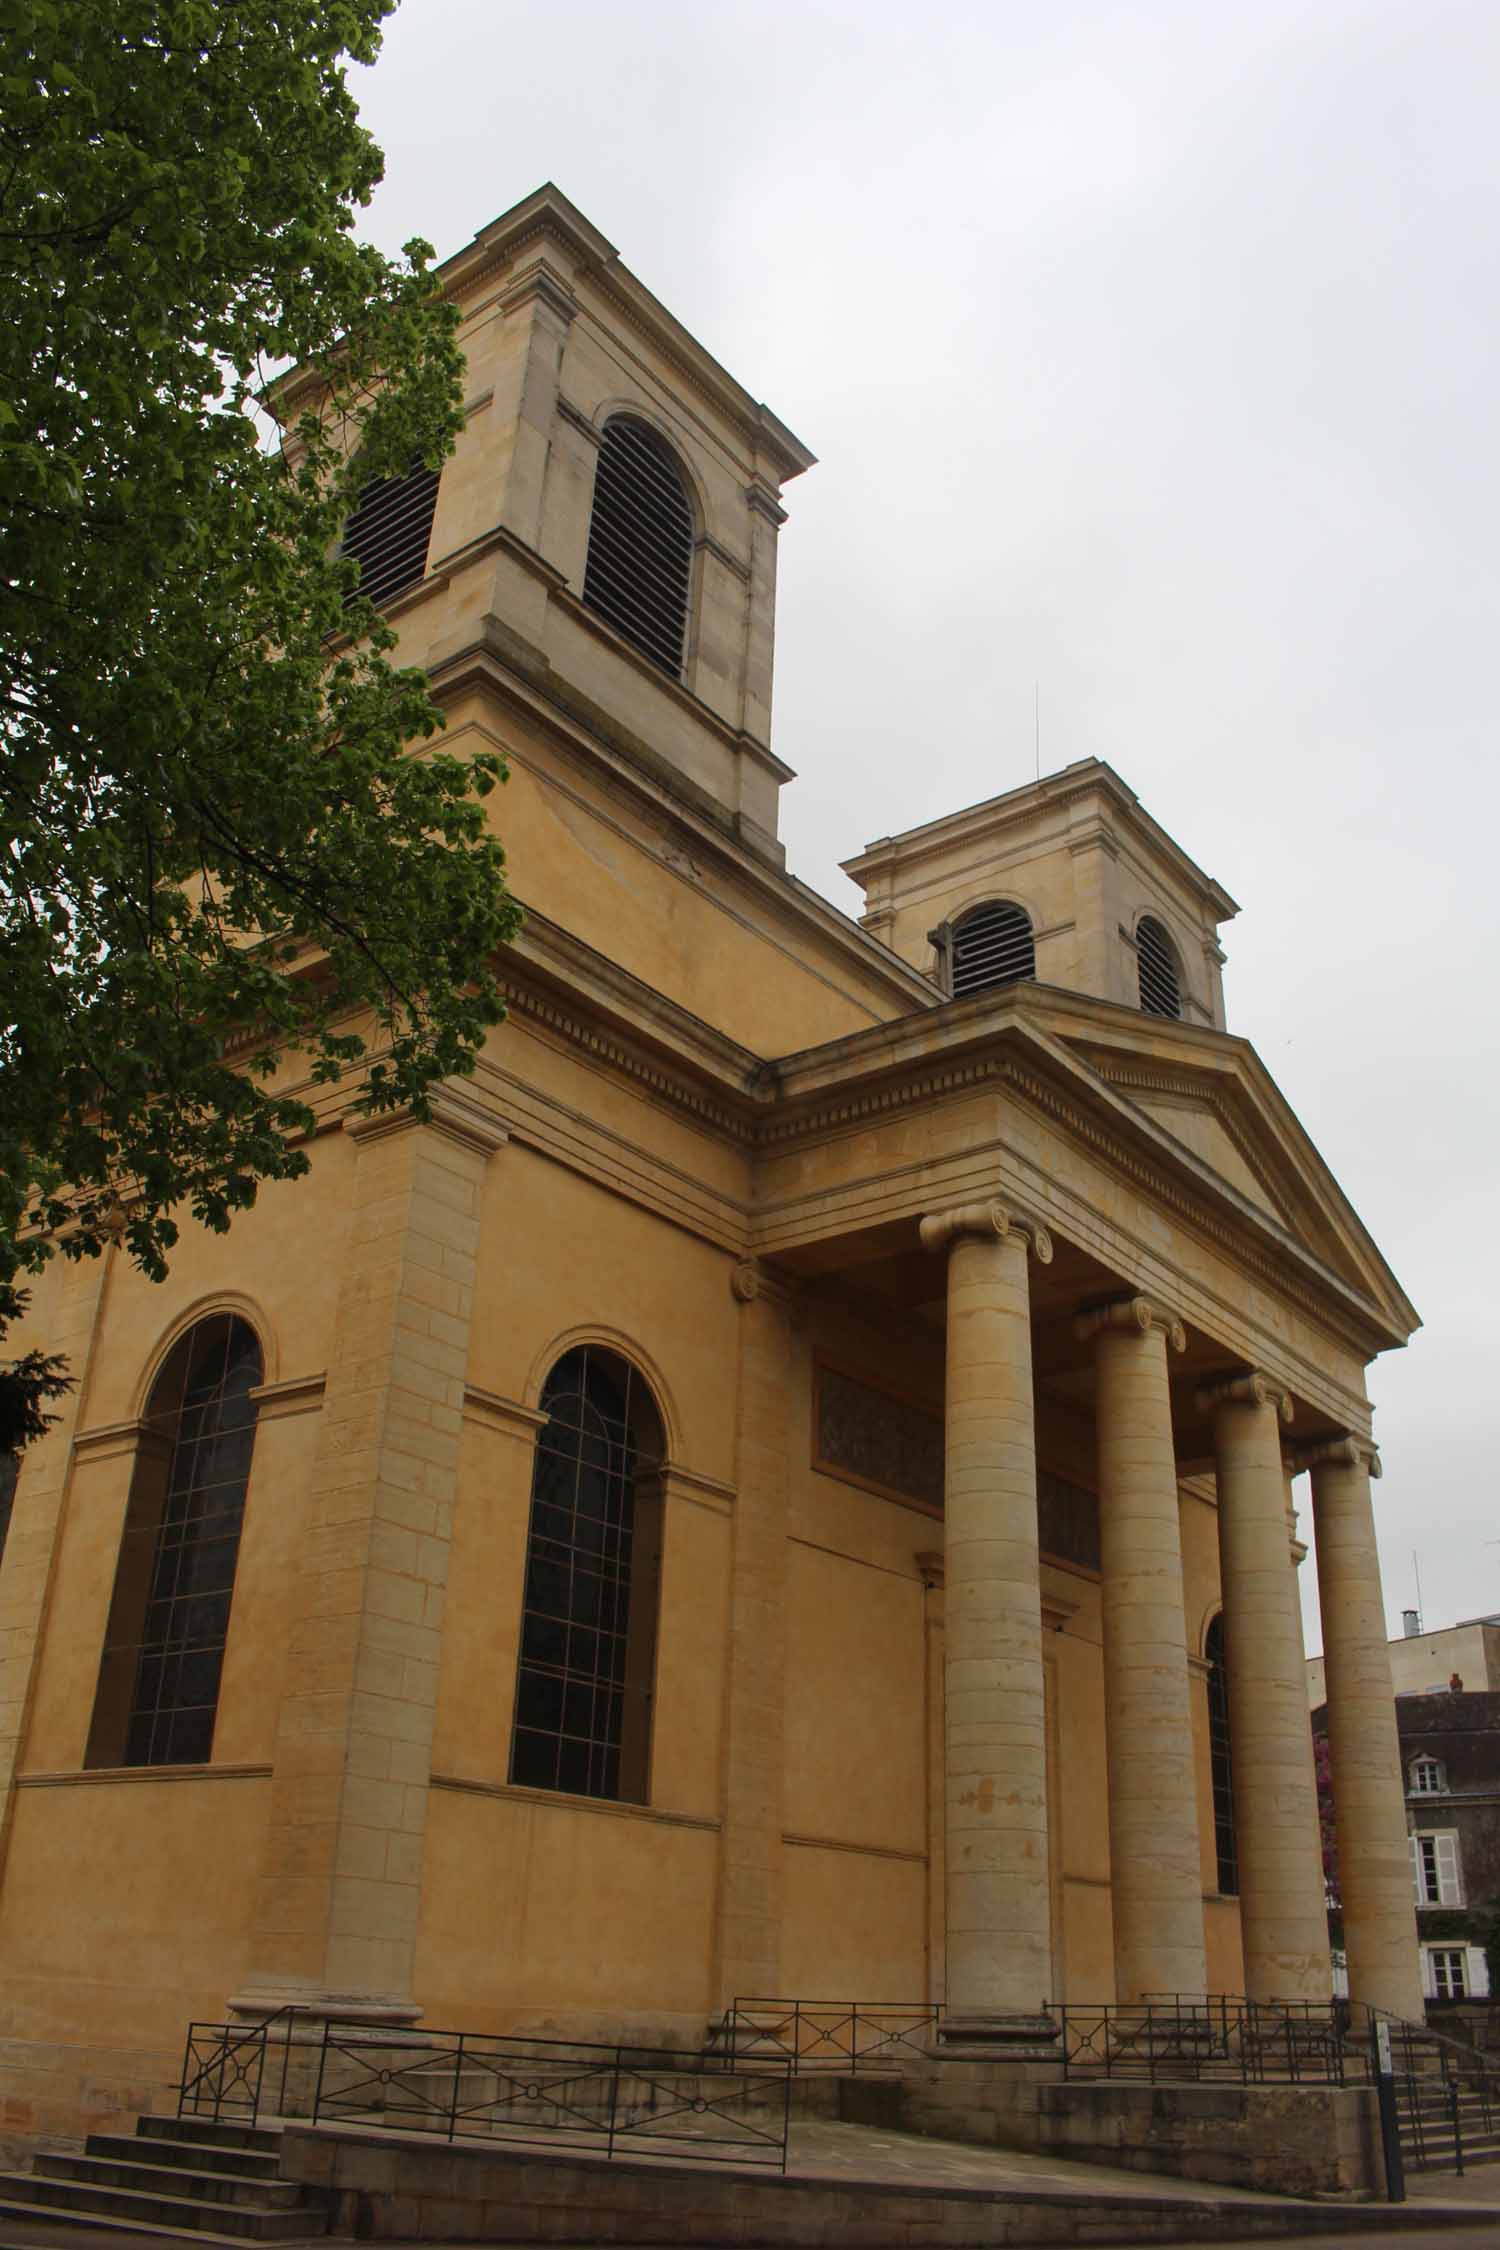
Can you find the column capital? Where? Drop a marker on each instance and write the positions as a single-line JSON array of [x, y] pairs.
[[1140, 1314], [1249, 1389], [992, 1222], [1349, 1452], [751, 1280]]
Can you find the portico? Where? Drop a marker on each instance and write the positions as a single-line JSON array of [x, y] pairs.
[[1179, 1392]]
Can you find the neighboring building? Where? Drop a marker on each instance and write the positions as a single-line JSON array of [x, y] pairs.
[[1450, 1754], [1423, 1663], [511, 1580]]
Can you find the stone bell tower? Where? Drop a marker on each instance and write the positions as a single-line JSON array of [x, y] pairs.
[[1108, 903]]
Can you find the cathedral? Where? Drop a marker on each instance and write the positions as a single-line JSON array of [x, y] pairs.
[[783, 1485]]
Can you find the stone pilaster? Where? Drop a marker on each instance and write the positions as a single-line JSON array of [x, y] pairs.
[[336, 1913], [75, 1297], [748, 1948], [1364, 1753], [999, 1960], [1283, 1918], [1156, 1887]]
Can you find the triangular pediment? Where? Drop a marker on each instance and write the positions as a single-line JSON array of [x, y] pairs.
[[1221, 1106]]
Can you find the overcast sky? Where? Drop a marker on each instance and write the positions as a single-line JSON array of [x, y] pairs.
[[1150, 354]]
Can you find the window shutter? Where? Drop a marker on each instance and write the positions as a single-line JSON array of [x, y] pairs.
[[388, 531], [639, 567], [1449, 1893], [1414, 1850], [1161, 989]]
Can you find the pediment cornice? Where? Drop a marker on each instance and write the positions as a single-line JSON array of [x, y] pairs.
[[1024, 1043]]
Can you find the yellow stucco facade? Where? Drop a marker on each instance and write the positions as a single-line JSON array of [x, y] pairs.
[[846, 1229]]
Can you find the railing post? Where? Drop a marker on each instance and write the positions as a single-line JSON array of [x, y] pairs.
[[1390, 2130], [1458, 2128], [614, 2101], [317, 2101], [458, 2071]]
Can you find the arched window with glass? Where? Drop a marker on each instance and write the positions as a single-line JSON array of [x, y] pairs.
[[158, 1693], [585, 1679]]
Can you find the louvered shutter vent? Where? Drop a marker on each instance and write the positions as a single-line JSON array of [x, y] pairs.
[[640, 543], [992, 945], [1161, 992], [388, 533]]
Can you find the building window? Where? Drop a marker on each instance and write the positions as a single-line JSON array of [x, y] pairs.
[[1156, 961], [640, 556], [10, 1471], [169, 1620], [1434, 1868], [1426, 1778], [1447, 1967], [593, 1566], [992, 944], [1219, 1758], [388, 532]]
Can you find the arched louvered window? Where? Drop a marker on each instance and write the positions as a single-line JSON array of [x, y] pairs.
[[593, 1566], [640, 554], [992, 944], [1219, 1758], [158, 1690], [388, 532], [1161, 986]]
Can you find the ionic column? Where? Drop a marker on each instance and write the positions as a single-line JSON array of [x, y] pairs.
[[1364, 1754], [1156, 1884], [748, 1942], [999, 1958], [1283, 1918]]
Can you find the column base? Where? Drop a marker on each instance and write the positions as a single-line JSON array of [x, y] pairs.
[[976, 2035], [316, 2005]]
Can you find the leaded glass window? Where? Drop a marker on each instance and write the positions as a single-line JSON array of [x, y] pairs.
[[1219, 1755], [588, 1628], [169, 1619]]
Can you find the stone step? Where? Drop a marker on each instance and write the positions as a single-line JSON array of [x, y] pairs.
[[29, 2214], [216, 2132], [199, 2155], [255, 2192], [75, 2201]]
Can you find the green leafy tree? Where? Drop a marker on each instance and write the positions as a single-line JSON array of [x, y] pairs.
[[216, 843]]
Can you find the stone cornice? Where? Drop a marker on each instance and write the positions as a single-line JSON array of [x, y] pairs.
[[451, 1112], [1090, 777], [295, 1394], [548, 215]]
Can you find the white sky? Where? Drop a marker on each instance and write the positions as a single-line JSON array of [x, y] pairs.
[[1150, 354]]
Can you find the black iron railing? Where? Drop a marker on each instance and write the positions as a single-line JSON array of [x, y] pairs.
[[839, 2036], [1234, 2041], [558, 2094], [1447, 2095], [224, 2069], [555, 2094]]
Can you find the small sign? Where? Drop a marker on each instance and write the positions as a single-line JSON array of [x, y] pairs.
[[1383, 2049]]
